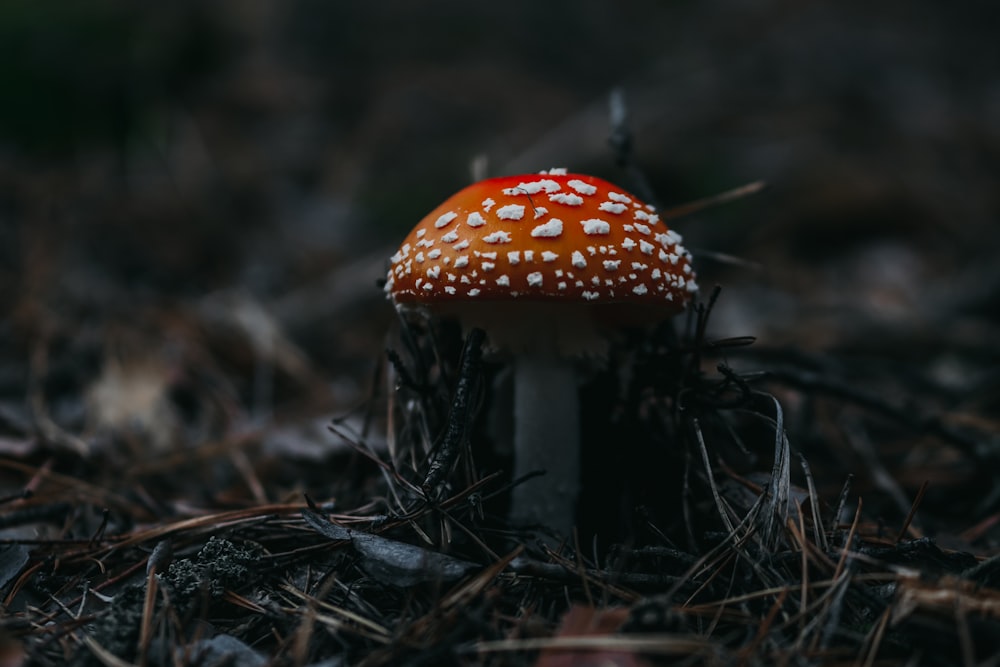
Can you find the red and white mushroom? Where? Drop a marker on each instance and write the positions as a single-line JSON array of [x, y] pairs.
[[547, 264]]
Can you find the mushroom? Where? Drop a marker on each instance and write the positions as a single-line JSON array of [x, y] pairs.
[[547, 264]]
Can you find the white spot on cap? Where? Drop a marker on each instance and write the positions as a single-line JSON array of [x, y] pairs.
[[669, 238], [533, 188], [498, 236], [488, 266], [540, 211], [434, 254], [450, 237], [595, 227], [419, 257], [612, 264], [581, 187], [619, 197], [578, 260], [642, 229], [486, 255], [535, 279], [646, 247], [452, 277], [434, 272], [475, 220], [549, 256], [561, 285], [445, 219], [566, 198], [640, 289], [421, 233], [474, 291], [503, 281], [514, 257], [449, 289], [595, 281], [427, 287], [462, 260], [639, 266], [655, 274], [612, 207], [529, 255], [550, 229], [510, 212], [488, 203], [592, 250], [590, 296]]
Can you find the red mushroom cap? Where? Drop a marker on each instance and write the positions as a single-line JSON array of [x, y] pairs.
[[542, 237], [554, 238]]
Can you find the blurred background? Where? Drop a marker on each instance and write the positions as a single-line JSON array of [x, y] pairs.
[[192, 187]]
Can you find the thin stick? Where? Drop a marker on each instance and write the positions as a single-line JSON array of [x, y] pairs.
[[458, 421], [913, 511], [713, 200], [146, 625], [847, 543], [841, 503], [819, 535], [877, 638]]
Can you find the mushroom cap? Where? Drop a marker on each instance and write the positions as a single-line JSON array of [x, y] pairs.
[[551, 237]]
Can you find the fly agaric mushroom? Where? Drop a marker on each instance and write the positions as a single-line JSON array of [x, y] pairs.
[[547, 264]]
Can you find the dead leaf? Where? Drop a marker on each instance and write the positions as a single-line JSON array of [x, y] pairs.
[[582, 621]]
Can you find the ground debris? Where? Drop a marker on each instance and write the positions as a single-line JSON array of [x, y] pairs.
[[756, 549], [393, 562]]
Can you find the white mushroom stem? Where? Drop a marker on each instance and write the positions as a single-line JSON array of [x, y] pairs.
[[546, 438]]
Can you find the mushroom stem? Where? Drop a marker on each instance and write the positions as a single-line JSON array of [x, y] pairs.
[[547, 438]]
